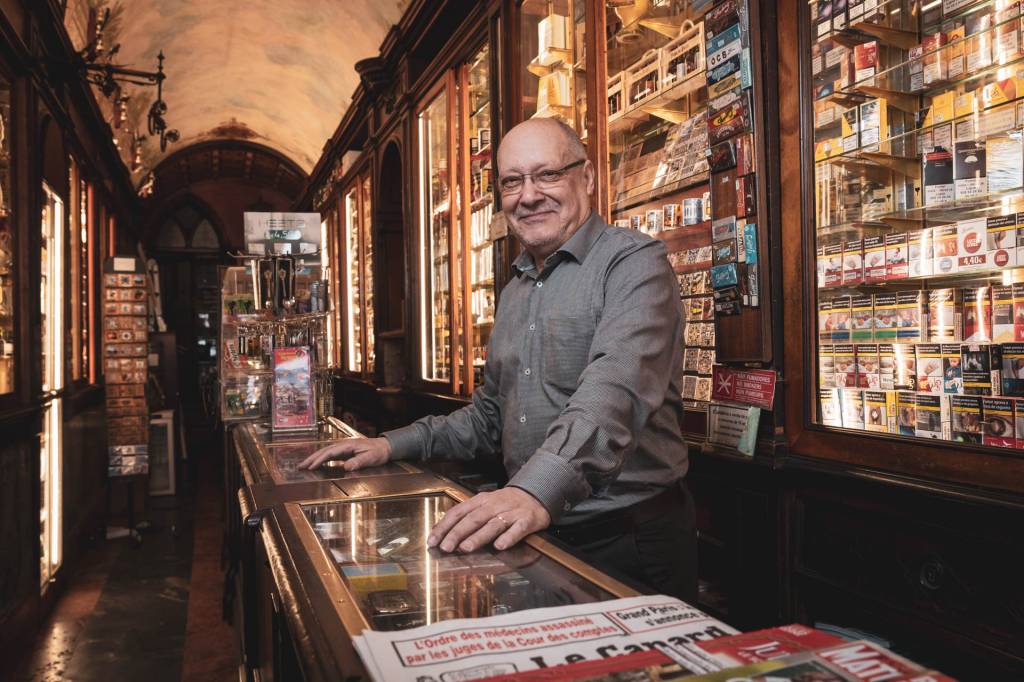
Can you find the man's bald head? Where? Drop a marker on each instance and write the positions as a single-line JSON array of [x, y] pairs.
[[544, 212]]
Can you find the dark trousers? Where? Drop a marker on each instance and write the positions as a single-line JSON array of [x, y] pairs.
[[654, 543]]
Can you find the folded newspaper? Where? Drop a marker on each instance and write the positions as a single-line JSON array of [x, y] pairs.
[[479, 648]]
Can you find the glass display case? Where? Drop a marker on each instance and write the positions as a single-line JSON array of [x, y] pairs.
[[357, 267], [378, 549], [660, 182], [51, 349], [553, 52], [457, 198], [436, 225], [917, 158], [244, 371]]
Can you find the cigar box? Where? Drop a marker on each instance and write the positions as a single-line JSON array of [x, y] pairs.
[[969, 170], [1004, 161], [935, 66], [938, 177]]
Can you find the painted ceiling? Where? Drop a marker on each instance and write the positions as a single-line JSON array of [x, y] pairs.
[[274, 72]]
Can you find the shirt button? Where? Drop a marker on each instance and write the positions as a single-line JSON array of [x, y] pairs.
[[540, 284], [526, 371], [533, 327], [522, 419]]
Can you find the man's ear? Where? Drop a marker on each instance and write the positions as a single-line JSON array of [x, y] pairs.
[[588, 177]]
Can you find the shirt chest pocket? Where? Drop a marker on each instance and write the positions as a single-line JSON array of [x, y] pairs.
[[565, 346]]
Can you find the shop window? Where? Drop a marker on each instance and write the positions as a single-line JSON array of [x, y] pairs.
[[7, 249]]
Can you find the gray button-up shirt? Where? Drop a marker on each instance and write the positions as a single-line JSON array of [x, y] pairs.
[[581, 389]]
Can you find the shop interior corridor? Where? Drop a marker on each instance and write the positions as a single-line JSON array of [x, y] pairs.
[[150, 609]]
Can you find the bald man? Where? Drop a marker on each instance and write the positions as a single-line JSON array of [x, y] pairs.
[[580, 394]]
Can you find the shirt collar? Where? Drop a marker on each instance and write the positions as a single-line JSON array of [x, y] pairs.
[[577, 247]]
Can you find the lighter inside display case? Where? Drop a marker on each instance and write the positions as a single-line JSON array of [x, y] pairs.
[[244, 375]]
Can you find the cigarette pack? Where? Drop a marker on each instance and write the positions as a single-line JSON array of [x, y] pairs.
[[1012, 375], [946, 250], [969, 170], [909, 313], [952, 372], [825, 320], [932, 413], [865, 62], [852, 408], [929, 367], [1001, 233], [1003, 155], [877, 410], [906, 413], [874, 123], [863, 317], [1018, 423], [833, 264], [853, 260], [1018, 311], [885, 317], [831, 414], [944, 315], [826, 366], [980, 374], [886, 366], [905, 363], [938, 177], [1002, 314], [999, 422], [896, 265], [874, 259], [967, 421], [920, 252], [977, 316], [846, 365], [850, 119], [842, 318], [820, 261], [868, 375]]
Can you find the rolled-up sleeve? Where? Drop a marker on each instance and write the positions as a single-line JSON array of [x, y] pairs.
[[629, 368]]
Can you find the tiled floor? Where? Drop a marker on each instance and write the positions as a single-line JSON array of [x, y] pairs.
[[150, 612]]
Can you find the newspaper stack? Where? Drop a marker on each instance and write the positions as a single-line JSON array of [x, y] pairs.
[[536, 639]]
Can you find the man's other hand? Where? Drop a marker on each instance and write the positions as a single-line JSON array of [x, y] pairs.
[[503, 517], [361, 453]]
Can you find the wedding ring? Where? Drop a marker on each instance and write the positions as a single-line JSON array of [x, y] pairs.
[[502, 519]]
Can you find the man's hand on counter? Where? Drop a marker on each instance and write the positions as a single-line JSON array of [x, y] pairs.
[[503, 517], [361, 453]]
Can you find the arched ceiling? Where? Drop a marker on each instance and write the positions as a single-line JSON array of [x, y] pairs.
[[275, 72]]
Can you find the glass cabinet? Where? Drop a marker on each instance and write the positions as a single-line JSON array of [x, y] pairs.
[[457, 203], [659, 177], [553, 54], [357, 277], [918, 118]]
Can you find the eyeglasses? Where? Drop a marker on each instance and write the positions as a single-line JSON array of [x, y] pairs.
[[544, 179]]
